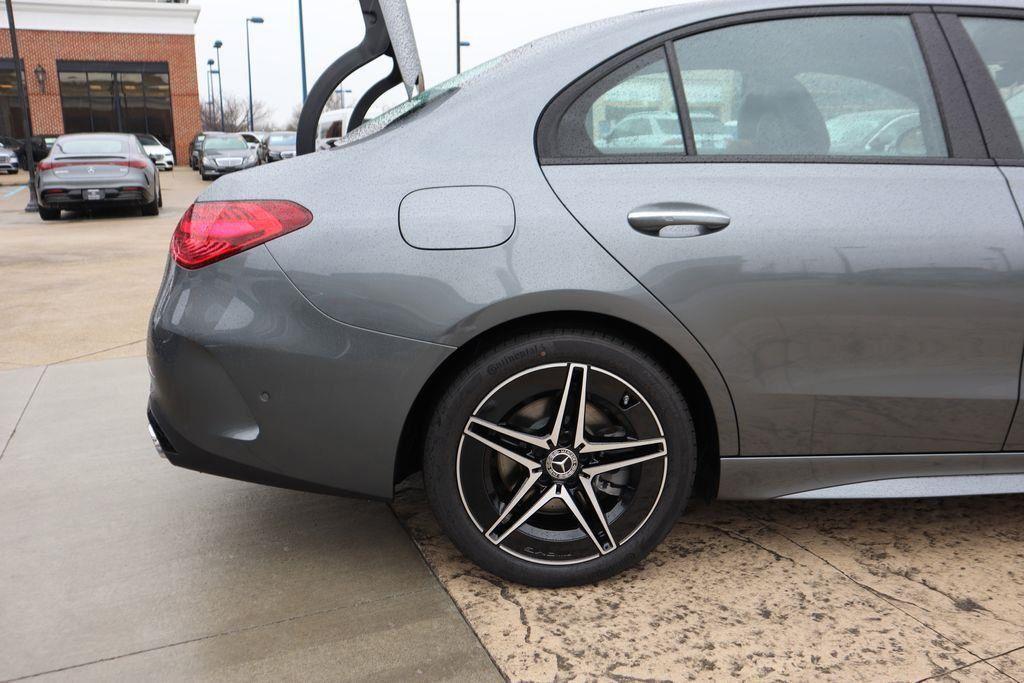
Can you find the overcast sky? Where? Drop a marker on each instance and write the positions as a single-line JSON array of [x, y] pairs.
[[334, 26]]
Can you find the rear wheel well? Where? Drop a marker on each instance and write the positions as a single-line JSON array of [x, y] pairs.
[[410, 452]]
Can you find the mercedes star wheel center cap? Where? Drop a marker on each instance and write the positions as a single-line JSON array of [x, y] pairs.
[[561, 463]]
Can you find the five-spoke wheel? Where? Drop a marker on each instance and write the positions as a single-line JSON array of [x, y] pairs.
[[563, 463]]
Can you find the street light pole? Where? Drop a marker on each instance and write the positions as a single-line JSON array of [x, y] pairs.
[[458, 36], [342, 91], [209, 86], [26, 122], [248, 59], [302, 53], [217, 45]]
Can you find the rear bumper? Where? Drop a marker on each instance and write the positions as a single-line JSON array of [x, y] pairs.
[[57, 198], [250, 381], [181, 452]]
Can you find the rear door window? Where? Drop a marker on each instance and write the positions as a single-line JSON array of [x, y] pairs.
[[1001, 45], [820, 86]]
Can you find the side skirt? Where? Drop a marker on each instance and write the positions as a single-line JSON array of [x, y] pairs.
[[822, 477]]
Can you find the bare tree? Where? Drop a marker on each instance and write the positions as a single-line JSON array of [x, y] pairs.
[[236, 115], [293, 121], [333, 103]]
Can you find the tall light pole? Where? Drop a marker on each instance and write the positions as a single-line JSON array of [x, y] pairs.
[[343, 92], [209, 85], [248, 59], [459, 42], [217, 45], [458, 36], [26, 122], [302, 53]]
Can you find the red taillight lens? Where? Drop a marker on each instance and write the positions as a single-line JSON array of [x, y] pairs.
[[130, 163], [211, 231]]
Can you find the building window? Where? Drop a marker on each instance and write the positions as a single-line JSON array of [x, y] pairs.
[[117, 97], [11, 121]]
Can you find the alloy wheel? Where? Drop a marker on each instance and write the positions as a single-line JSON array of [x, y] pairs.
[[562, 463]]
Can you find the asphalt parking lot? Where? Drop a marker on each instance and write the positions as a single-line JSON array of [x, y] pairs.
[[115, 565]]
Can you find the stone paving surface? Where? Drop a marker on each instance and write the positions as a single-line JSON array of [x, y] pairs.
[[888, 590]]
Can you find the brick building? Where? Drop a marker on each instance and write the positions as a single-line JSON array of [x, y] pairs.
[[104, 65]]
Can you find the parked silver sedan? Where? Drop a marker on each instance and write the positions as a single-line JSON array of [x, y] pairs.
[[97, 170]]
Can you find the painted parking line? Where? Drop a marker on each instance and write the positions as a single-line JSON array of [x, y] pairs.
[[11, 193]]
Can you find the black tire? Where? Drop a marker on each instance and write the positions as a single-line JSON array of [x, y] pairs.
[[204, 177], [531, 362], [153, 207], [49, 214], [159, 196]]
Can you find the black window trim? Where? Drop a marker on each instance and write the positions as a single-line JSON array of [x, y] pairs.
[[78, 66], [1001, 136], [964, 141]]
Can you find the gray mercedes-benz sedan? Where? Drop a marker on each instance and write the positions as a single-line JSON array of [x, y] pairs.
[[732, 249], [88, 171]]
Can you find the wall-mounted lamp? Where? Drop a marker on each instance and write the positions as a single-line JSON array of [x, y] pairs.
[[40, 73]]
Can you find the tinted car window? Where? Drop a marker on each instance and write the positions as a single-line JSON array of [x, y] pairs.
[[1001, 44], [843, 86], [630, 111]]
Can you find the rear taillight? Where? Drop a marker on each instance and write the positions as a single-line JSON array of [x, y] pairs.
[[211, 231], [50, 165]]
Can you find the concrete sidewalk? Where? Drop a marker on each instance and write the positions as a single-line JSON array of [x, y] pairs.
[[117, 565]]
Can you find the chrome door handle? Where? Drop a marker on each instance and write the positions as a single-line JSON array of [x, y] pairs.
[[651, 219]]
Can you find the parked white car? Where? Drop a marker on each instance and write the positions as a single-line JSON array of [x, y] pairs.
[[161, 155], [8, 160]]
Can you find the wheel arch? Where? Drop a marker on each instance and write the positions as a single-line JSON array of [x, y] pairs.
[[408, 459]]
